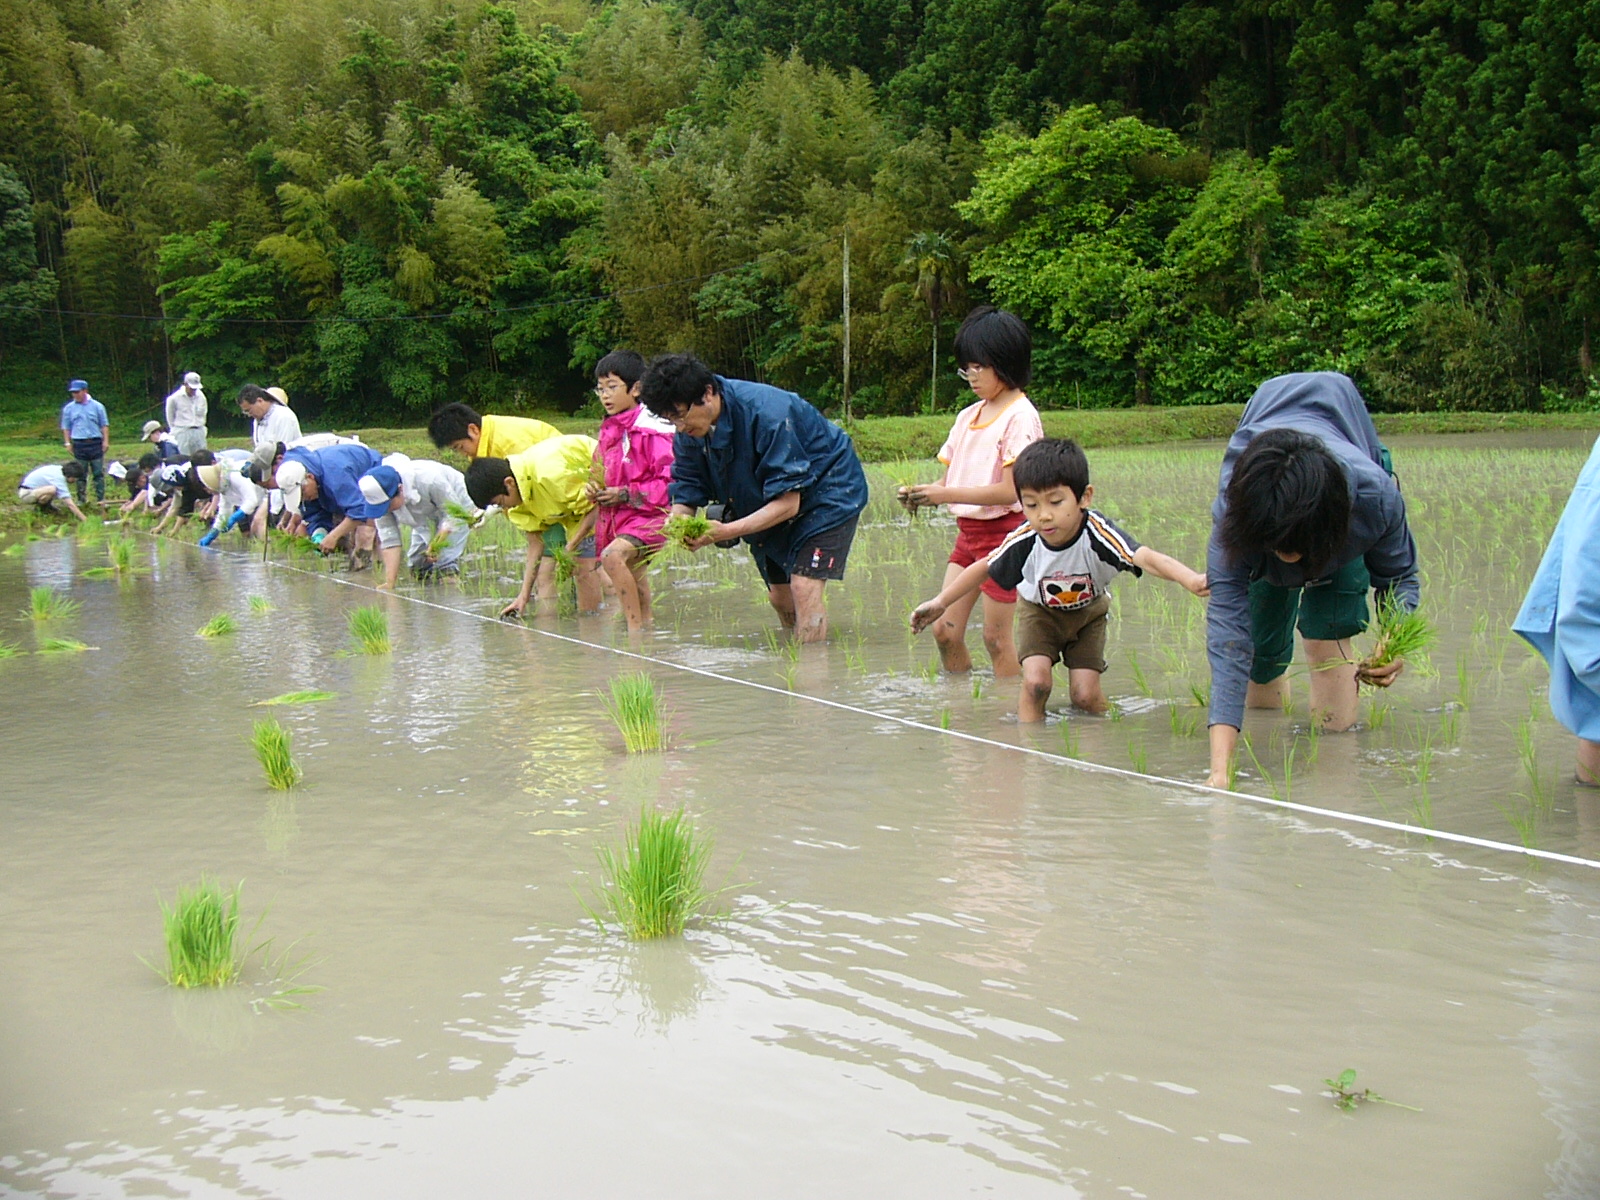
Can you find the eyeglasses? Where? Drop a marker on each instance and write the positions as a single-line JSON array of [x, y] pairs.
[[602, 389], [970, 372]]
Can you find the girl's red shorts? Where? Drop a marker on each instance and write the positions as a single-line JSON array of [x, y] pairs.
[[975, 539]]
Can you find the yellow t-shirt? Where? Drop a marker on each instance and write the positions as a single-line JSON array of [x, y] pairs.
[[551, 476], [501, 437]]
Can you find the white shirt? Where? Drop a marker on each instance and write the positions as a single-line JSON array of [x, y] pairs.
[[236, 492], [279, 425], [427, 487], [186, 410], [50, 475]]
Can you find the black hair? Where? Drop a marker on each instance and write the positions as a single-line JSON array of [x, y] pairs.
[[251, 392], [135, 478], [674, 383], [202, 458], [1051, 463], [624, 364], [1287, 493], [992, 337], [149, 462], [75, 470], [449, 424], [486, 479]]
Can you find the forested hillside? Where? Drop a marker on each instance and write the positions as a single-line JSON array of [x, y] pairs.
[[385, 204]]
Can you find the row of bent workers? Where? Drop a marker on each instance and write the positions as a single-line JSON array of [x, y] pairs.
[[1307, 520]]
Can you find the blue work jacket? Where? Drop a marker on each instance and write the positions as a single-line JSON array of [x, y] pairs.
[[768, 442], [339, 470]]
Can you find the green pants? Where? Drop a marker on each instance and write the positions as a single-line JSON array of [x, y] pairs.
[[1326, 610]]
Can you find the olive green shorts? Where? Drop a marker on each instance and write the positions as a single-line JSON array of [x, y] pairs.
[[1327, 610], [1075, 637]]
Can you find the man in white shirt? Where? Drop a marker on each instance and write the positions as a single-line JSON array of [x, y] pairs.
[[186, 415], [420, 494], [47, 486]]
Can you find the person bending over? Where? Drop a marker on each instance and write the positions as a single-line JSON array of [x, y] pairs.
[[788, 479], [1062, 564], [1307, 518], [542, 491], [45, 487]]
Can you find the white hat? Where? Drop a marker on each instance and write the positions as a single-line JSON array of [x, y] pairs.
[[279, 394], [149, 428], [116, 470], [191, 380], [290, 476], [211, 476]]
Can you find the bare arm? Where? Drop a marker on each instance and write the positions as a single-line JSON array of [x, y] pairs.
[[970, 580], [530, 573], [773, 512], [1164, 566], [336, 535], [1003, 492]]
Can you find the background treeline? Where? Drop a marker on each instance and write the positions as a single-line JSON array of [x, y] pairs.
[[386, 204]]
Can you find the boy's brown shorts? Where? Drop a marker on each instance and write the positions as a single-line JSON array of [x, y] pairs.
[[1076, 636]]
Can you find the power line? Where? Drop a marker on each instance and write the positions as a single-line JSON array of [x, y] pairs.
[[471, 312]]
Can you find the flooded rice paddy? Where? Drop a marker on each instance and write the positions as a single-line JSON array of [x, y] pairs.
[[946, 967]]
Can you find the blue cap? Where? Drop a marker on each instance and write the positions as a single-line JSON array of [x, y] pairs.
[[78, 385]]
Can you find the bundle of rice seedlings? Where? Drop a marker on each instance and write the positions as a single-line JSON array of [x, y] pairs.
[[220, 625], [274, 746], [682, 529], [1402, 633], [47, 604], [458, 512], [16, 549], [655, 882], [100, 573], [202, 931], [297, 698], [120, 551], [55, 645], [369, 625], [260, 605], [635, 707], [9, 650]]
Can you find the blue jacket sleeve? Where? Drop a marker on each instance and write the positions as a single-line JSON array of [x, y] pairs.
[[1228, 642], [1392, 560], [782, 464], [1577, 626], [691, 485]]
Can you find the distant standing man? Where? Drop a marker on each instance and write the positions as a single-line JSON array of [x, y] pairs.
[[186, 415], [86, 431], [789, 480]]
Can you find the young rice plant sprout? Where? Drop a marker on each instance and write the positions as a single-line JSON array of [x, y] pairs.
[[220, 625], [202, 932], [274, 746], [634, 705], [656, 881], [47, 604], [1402, 633], [369, 625]]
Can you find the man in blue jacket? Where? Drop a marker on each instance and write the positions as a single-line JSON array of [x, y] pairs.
[[323, 488], [1307, 518], [788, 479]]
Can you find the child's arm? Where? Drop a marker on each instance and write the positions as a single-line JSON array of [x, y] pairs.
[[969, 581], [1164, 566], [1004, 492], [530, 572]]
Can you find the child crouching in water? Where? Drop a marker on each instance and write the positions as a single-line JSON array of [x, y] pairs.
[[629, 487], [1062, 564]]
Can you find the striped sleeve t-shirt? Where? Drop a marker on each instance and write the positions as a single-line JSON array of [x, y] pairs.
[[1064, 577]]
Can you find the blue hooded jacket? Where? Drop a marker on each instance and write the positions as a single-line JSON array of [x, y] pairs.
[[768, 442], [339, 470], [1328, 406], [1560, 617]]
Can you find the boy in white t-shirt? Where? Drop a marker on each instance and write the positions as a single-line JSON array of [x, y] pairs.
[[1062, 565], [995, 351]]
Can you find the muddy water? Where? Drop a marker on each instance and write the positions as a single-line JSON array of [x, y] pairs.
[[946, 968]]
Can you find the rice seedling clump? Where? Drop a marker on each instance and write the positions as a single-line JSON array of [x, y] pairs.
[[47, 604], [298, 698], [682, 529], [274, 746], [655, 882], [260, 605], [635, 706], [1402, 633], [120, 551], [220, 625], [56, 645], [369, 625], [202, 932]]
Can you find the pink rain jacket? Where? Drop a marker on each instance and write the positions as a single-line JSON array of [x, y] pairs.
[[636, 449]]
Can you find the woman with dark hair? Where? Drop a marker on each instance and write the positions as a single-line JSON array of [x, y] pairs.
[[1307, 518]]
